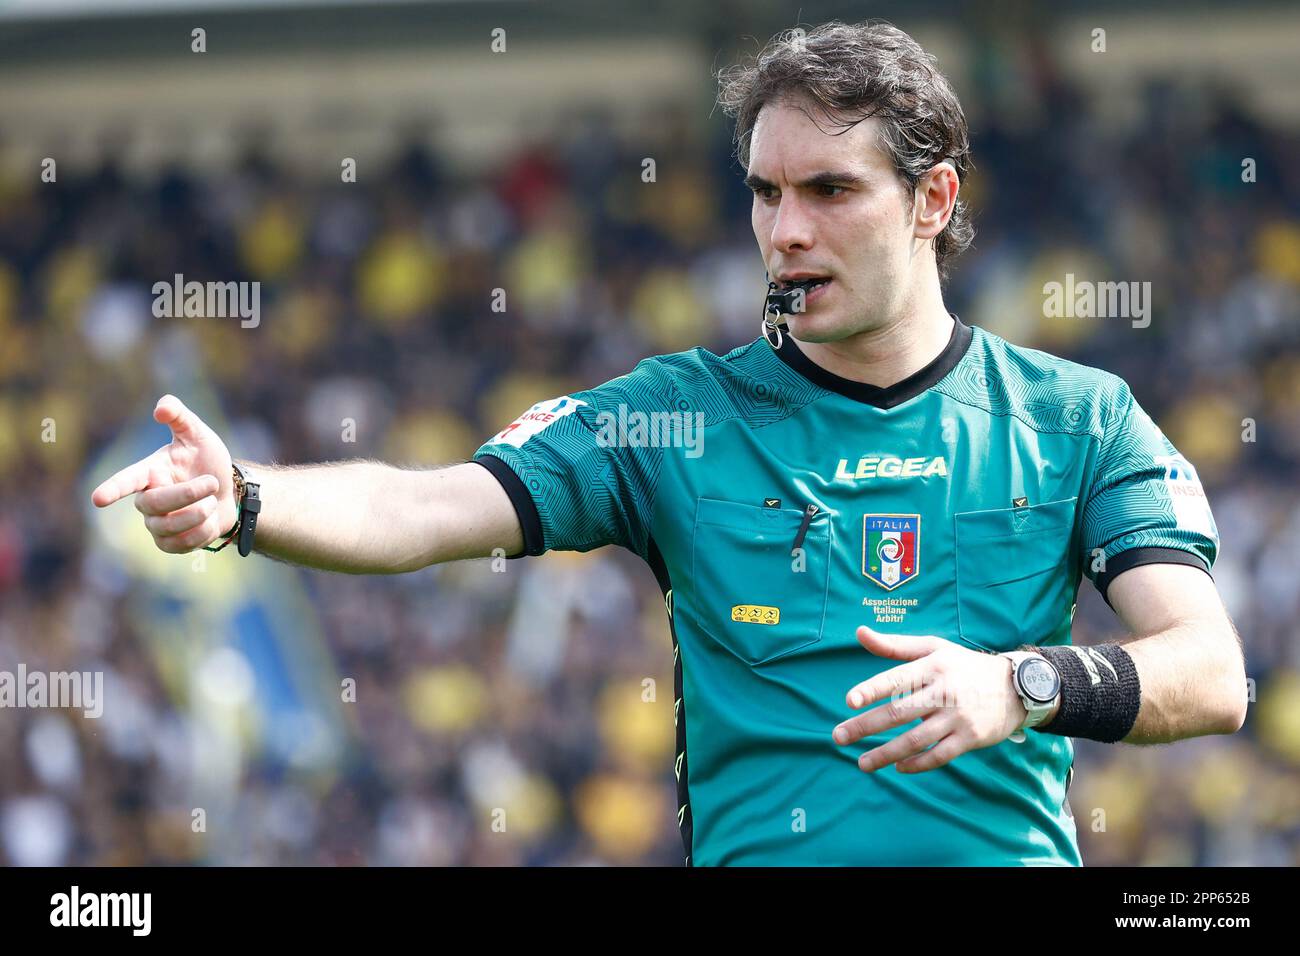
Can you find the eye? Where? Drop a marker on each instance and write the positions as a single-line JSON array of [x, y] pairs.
[[760, 192], [830, 186]]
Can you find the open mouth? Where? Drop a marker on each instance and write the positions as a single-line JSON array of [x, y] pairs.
[[806, 284]]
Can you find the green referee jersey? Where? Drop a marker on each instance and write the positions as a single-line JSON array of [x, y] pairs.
[[780, 506]]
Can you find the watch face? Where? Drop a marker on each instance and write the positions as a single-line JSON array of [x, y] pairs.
[[1039, 680]]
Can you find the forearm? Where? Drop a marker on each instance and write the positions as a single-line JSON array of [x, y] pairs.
[[366, 517], [1192, 684]]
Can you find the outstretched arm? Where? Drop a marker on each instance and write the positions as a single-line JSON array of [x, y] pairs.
[[360, 517], [366, 517]]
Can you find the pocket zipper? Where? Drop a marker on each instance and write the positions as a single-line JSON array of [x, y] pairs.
[[803, 527]]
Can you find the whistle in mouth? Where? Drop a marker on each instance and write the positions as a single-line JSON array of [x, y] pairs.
[[785, 301]]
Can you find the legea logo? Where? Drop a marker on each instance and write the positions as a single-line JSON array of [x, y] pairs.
[[887, 467]]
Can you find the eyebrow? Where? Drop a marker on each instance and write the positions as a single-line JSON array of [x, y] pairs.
[[824, 178]]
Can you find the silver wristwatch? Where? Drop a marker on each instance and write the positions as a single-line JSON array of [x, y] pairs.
[[1039, 685]]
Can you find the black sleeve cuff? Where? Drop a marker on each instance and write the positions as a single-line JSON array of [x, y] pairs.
[[525, 508], [1136, 557]]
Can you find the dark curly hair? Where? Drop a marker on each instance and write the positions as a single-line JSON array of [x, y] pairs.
[[852, 72]]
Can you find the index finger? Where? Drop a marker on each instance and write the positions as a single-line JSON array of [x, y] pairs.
[[899, 647], [128, 481]]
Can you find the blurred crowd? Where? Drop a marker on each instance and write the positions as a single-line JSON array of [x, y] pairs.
[[524, 716]]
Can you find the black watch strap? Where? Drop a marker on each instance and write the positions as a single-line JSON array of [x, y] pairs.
[[252, 504]]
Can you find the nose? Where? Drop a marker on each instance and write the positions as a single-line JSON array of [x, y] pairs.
[[792, 227]]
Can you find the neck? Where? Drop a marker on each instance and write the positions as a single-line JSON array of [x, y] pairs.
[[889, 353]]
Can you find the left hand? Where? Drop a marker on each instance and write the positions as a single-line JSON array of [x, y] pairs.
[[964, 698]]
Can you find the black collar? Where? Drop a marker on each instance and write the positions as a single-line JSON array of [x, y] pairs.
[[895, 394]]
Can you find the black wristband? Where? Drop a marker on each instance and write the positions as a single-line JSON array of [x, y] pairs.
[[1100, 692]]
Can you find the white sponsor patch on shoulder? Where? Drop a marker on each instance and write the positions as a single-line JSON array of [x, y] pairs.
[[535, 419], [1191, 508]]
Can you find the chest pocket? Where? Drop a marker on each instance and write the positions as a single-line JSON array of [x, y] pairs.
[[748, 595], [1013, 574]]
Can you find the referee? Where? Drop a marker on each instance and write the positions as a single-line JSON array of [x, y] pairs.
[[870, 546]]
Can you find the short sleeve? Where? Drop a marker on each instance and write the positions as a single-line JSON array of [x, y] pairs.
[[1145, 503], [574, 484]]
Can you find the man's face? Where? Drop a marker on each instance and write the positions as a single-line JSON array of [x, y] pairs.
[[831, 205]]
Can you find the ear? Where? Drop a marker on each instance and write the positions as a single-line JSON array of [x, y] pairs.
[[936, 195]]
